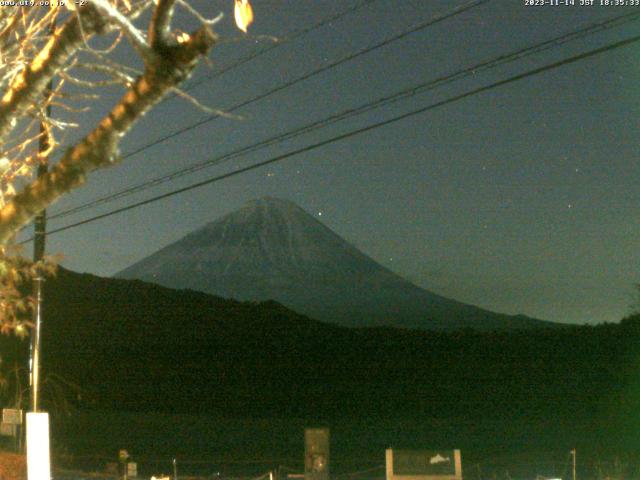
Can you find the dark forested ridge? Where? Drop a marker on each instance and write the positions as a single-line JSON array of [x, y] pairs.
[[134, 346]]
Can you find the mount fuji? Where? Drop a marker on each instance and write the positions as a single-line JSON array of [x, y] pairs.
[[273, 249]]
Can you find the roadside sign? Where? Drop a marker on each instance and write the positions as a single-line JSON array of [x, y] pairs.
[[12, 416], [423, 465], [132, 470], [316, 454]]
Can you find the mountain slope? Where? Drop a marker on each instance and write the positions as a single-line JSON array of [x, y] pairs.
[[132, 345], [138, 347], [272, 249]]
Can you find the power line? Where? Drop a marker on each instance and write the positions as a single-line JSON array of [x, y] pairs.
[[403, 94], [432, 21], [358, 131], [279, 43]]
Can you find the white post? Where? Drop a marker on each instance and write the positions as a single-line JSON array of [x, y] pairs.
[[38, 460]]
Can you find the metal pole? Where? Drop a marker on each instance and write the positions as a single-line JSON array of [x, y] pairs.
[[35, 347], [40, 230], [573, 453], [175, 469]]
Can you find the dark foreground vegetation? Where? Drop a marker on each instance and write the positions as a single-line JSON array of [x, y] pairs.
[[204, 376]]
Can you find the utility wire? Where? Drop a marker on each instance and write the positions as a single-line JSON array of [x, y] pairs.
[[406, 93], [353, 133], [417, 28], [279, 43], [432, 21]]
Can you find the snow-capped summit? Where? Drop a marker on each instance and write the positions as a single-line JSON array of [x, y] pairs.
[[273, 249]]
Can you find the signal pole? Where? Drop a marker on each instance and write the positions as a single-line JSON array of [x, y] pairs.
[[40, 230]]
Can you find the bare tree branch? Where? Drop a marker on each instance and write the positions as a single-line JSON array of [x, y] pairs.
[[99, 148], [159, 29], [134, 35], [33, 58], [29, 86]]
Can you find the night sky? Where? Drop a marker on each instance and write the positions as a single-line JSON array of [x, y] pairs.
[[522, 199]]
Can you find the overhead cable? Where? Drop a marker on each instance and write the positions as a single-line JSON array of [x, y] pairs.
[[403, 94], [358, 131]]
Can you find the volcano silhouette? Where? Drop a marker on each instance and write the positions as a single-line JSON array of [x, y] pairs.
[[273, 249]]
